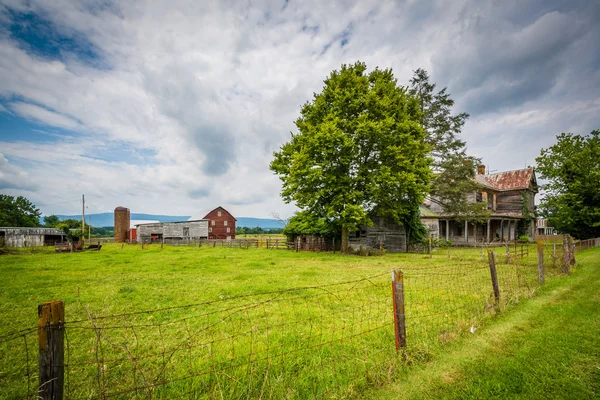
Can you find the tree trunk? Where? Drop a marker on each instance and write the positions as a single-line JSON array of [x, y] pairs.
[[344, 248]]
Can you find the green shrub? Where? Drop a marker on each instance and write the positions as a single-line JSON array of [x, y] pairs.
[[524, 239]]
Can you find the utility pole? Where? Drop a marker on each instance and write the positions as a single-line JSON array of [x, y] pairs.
[[83, 216]]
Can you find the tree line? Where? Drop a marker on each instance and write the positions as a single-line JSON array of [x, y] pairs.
[[244, 230]]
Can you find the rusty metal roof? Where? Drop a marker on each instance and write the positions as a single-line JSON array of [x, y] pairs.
[[509, 180]]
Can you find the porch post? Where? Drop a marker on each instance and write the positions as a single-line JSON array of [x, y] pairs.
[[447, 229], [509, 224], [489, 223], [467, 231], [502, 230]]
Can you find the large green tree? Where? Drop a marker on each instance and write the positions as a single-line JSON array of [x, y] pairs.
[[18, 211], [454, 170], [572, 194], [359, 147], [51, 221]]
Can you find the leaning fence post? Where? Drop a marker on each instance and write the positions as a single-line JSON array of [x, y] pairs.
[[399, 316], [51, 334], [540, 247], [492, 261]]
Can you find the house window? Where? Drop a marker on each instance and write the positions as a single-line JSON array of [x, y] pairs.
[[228, 229], [210, 230], [213, 222], [479, 197], [225, 222], [186, 231], [218, 213]]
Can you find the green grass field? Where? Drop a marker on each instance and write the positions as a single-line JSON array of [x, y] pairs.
[[223, 323], [545, 348]]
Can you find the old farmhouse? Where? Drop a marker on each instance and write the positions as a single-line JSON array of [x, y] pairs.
[[510, 196]]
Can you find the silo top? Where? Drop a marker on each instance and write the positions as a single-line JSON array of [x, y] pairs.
[[120, 209]]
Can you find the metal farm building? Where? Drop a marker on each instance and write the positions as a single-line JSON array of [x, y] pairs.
[[172, 231], [29, 237]]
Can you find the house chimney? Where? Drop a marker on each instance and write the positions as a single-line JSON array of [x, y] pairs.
[[481, 169]]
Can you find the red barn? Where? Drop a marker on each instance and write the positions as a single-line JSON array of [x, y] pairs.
[[221, 224]]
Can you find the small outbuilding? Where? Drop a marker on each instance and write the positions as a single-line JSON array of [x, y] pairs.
[[30, 237]]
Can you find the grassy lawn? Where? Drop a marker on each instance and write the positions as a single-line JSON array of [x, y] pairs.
[[545, 348], [214, 322]]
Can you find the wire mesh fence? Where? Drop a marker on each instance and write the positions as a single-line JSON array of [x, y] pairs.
[[330, 340]]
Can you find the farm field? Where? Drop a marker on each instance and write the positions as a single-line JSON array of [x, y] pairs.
[[229, 322]]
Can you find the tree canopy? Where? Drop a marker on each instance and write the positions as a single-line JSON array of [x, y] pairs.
[[18, 212], [572, 195], [454, 170], [51, 221], [359, 147]]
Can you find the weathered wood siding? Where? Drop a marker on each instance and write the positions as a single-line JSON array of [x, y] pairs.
[[28, 237], [392, 235], [509, 202], [432, 225], [174, 230]]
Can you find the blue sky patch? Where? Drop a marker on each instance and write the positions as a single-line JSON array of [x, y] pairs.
[[43, 38]]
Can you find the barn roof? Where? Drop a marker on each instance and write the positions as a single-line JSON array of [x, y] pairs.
[[194, 217], [509, 180]]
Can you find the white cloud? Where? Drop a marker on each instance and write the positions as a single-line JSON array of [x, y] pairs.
[[44, 116], [201, 93]]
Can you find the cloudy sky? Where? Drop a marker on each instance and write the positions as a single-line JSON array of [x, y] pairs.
[[176, 107]]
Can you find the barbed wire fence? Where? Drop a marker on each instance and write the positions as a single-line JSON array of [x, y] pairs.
[[329, 340]]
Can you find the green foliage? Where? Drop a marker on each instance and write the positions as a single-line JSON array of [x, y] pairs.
[[572, 195], [51, 221], [442, 242], [440, 125], [105, 231], [18, 212], [524, 239], [304, 223], [244, 230], [454, 170], [359, 146]]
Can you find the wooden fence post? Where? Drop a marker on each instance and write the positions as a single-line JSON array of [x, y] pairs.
[[508, 253], [51, 334], [399, 315], [494, 275], [540, 247], [573, 248], [567, 267], [554, 255]]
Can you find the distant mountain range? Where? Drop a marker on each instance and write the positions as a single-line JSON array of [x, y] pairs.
[[107, 219]]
